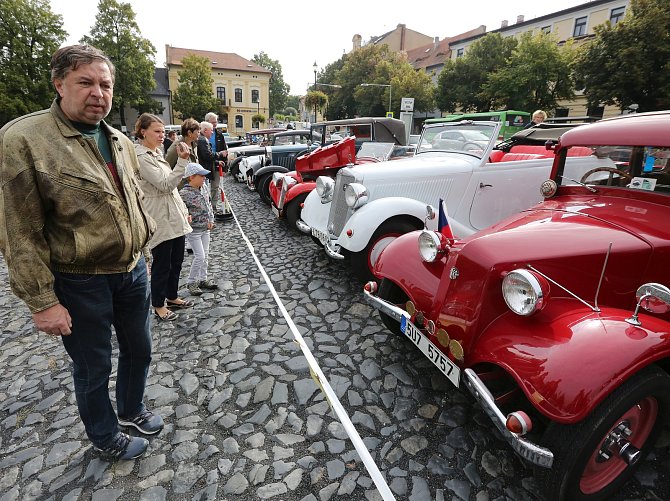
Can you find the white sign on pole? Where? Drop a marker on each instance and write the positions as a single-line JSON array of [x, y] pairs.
[[407, 104]]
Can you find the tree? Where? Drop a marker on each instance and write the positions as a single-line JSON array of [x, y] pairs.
[[293, 102], [194, 97], [629, 63], [462, 82], [29, 35], [536, 76], [278, 88], [316, 98], [116, 33]]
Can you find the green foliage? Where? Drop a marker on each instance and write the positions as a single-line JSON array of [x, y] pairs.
[[278, 88], [462, 82], [29, 35], [293, 102], [374, 64], [194, 96], [629, 63], [316, 98], [536, 76], [117, 34], [290, 110], [257, 119]]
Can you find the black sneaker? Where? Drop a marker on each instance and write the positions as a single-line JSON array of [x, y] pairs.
[[124, 447], [145, 422]]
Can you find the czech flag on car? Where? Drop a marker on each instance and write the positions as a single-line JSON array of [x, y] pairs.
[[443, 221]]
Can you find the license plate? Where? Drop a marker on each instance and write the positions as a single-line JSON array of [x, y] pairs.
[[323, 238], [275, 211], [446, 366]]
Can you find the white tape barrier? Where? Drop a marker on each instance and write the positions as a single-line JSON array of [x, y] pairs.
[[362, 450]]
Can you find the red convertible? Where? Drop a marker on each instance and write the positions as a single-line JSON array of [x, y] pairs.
[[557, 319]]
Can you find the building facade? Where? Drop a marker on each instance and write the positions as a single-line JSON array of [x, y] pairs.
[[576, 24], [241, 87]]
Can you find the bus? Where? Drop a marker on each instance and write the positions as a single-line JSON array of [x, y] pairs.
[[513, 121]]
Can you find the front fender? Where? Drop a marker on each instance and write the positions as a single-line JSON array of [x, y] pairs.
[[299, 189], [567, 358], [401, 263], [269, 169]]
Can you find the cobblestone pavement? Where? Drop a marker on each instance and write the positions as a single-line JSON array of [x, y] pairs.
[[244, 419]]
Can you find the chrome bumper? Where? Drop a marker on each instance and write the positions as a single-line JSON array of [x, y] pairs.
[[302, 226], [333, 250], [526, 449]]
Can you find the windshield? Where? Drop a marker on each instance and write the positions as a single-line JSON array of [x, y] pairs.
[[630, 167], [470, 138]]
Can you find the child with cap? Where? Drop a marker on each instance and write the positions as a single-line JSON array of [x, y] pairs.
[[197, 200]]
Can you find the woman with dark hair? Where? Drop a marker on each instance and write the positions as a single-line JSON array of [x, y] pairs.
[[161, 198]]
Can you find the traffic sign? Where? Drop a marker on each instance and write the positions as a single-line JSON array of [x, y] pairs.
[[389, 114], [407, 104]]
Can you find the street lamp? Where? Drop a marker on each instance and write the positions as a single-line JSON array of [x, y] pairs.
[[380, 85], [314, 89]]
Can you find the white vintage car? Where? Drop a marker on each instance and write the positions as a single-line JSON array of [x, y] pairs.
[[367, 206]]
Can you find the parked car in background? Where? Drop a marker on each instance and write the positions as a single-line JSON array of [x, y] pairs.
[[255, 144], [556, 319], [363, 130], [511, 121], [367, 206]]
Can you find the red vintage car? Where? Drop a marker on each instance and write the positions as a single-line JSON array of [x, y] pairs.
[[556, 319]]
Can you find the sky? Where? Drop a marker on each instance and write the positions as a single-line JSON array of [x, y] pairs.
[[299, 34]]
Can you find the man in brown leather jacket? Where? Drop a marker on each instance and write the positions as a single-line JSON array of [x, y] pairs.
[[73, 232]]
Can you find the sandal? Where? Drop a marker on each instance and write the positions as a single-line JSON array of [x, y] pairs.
[[180, 305], [168, 317]]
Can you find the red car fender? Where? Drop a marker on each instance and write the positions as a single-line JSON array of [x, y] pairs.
[[274, 193], [400, 260], [298, 189], [567, 358]]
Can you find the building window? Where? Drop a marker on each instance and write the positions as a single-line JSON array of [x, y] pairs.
[[254, 95], [239, 122], [546, 29], [580, 27], [459, 52], [617, 14], [561, 112], [596, 111], [221, 93], [238, 95]]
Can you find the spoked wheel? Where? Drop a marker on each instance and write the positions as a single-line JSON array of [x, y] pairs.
[[390, 292], [294, 209], [594, 458], [363, 262], [263, 188]]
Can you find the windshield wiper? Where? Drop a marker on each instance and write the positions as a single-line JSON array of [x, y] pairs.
[[591, 189]]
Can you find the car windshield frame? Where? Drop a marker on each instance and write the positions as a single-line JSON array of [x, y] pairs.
[[429, 144]]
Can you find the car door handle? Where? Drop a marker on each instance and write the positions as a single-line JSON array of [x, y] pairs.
[[482, 185]]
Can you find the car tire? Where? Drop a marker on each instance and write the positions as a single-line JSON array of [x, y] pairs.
[[363, 262], [389, 291], [578, 472], [294, 210], [263, 188]]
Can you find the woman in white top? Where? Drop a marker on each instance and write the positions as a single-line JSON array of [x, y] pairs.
[[161, 198]]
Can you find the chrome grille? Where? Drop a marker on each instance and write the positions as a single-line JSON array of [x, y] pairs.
[[339, 210], [287, 161]]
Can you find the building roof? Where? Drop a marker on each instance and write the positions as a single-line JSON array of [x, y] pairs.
[[436, 53], [162, 85], [219, 60]]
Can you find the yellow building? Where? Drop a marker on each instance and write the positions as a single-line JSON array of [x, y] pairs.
[[241, 86]]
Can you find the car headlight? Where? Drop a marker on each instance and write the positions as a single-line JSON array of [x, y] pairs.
[[287, 182], [431, 245], [525, 292], [355, 195], [277, 178], [324, 188]]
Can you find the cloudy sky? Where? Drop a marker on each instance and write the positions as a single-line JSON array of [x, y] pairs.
[[297, 34]]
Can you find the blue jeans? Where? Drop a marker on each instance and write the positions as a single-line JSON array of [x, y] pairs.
[[95, 303]]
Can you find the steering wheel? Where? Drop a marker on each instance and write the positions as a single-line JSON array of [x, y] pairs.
[[610, 179]]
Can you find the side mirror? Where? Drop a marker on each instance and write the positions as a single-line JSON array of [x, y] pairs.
[[655, 298], [430, 215]]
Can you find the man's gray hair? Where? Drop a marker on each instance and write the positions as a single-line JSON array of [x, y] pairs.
[[211, 116], [206, 125], [67, 59]]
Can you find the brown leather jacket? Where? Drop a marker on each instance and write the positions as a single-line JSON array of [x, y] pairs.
[[60, 208]]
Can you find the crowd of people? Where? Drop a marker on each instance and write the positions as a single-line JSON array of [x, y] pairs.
[[104, 240]]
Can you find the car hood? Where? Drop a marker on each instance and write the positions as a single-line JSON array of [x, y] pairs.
[[416, 167]]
